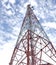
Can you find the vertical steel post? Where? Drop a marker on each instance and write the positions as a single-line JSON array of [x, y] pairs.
[[28, 48]]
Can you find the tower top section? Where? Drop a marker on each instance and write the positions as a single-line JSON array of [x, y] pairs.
[[30, 22], [29, 10], [28, 5]]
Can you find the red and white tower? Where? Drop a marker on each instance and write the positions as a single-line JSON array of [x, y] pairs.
[[33, 46]]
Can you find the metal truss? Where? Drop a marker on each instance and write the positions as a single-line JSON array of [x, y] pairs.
[[33, 46]]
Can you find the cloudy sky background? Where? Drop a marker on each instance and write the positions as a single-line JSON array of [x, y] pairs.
[[12, 13]]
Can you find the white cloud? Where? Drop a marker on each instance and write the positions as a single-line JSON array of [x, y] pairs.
[[4, 0], [33, 2], [22, 10], [9, 12], [6, 47], [15, 31], [6, 53], [6, 6], [12, 1], [25, 4], [53, 14], [50, 24], [8, 9], [42, 15]]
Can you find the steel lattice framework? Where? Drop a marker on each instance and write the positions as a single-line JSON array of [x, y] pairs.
[[33, 46]]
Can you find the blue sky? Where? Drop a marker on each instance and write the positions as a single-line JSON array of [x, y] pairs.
[[12, 13]]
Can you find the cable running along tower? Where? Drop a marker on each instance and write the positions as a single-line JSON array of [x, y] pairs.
[[33, 46]]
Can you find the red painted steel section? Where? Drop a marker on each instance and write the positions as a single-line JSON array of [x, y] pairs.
[[31, 46]]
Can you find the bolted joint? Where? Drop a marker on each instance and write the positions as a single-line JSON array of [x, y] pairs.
[[41, 49]]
